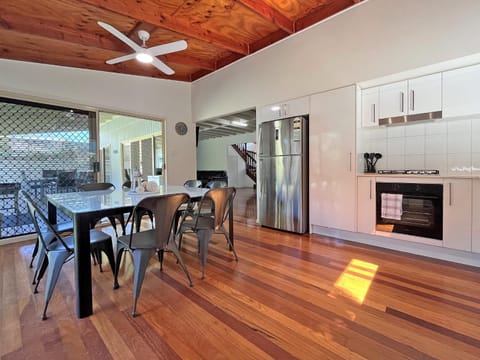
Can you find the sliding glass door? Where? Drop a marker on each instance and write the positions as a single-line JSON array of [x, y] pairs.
[[43, 149]]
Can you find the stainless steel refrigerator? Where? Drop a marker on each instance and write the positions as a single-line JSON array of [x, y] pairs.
[[283, 174]]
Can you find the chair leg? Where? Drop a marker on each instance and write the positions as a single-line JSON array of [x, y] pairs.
[[173, 247], [140, 259], [114, 224], [107, 248], [138, 222], [98, 255], [120, 251], [229, 242], [204, 237], [94, 257], [34, 253], [56, 261], [121, 219], [180, 237], [40, 271], [160, 258]]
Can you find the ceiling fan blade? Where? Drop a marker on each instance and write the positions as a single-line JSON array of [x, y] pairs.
[[121, 58], [120, 36], [168, 48], [162, 67]]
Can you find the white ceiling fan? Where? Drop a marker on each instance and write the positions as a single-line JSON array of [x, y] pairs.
[[142, 53]]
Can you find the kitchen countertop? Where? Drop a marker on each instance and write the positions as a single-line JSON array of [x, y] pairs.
[[405, 176]]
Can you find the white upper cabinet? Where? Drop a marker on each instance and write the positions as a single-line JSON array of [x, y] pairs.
[[393, 99], [425, 94], [370, 107], [285, 109], [461, 91], [414, 96]]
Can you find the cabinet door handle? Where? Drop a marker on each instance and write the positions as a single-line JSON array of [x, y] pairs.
[[373, 117], [402, 101], [413, 100], [370, 196], [450, 194]]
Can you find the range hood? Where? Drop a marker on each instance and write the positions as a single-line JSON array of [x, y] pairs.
[[410, 118]]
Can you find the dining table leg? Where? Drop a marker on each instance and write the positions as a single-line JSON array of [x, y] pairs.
[[83, 270], [230, 222]]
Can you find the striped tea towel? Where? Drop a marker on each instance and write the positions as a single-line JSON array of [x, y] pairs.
[[392, 206]]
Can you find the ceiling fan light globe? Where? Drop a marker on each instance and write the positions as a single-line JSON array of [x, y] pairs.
[[144, 58]]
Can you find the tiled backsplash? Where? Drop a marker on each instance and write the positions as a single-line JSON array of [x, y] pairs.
[[451, 146]]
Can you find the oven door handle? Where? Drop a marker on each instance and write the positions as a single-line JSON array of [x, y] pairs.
[[433, 197]]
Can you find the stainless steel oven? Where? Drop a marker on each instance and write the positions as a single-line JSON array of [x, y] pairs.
[[410, 208]]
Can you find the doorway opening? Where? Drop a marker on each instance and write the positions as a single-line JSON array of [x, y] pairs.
[[131, 144]]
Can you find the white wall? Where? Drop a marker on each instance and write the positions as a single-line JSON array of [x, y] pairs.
[[97, 90], [217, 154], [374, 39]]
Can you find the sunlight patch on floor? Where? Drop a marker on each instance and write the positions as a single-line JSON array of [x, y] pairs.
[[355, 280]]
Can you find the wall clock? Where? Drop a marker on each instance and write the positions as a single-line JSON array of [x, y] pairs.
[[181, 128]]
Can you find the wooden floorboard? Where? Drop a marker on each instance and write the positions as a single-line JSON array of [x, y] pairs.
[[289, 296]]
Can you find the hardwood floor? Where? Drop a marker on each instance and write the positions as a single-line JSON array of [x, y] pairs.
[[289, 296]]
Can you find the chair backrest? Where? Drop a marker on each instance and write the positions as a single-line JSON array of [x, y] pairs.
[[9, 188], [164, 209], [221, 199], [194, 183], [48, 235], [67, 178], [49, 173], [96, 186], [215, 184]]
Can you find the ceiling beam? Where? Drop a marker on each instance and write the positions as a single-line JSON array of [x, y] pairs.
[[269, 13], [150, 13], [268, 40], [323, 12]]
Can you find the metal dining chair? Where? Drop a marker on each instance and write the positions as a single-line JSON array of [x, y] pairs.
[[190, 207], [205, 224], [112, 218], [144, 244], [215, 184], [97, 252], [55, 250], [194, 183]]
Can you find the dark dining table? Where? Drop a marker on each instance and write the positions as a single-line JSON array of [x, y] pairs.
[[82, 207]]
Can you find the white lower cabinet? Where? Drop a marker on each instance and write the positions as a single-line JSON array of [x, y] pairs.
[[366, 208], [457, 214], [332, 159], [476, 215]]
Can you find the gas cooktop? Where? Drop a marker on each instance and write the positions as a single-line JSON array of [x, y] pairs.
[[410, 172]]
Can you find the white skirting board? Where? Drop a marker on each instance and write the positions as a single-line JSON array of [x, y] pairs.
[[436, 252]]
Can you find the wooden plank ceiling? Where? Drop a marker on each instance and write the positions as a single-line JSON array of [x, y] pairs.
[[218, 32]]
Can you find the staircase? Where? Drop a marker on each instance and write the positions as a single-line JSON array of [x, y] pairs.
[[250, 158]]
